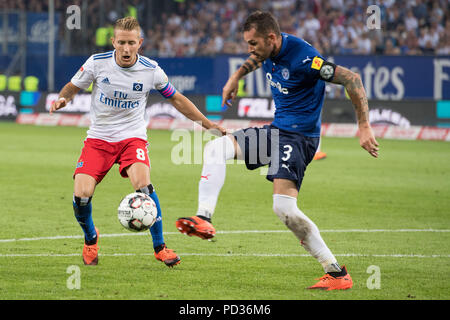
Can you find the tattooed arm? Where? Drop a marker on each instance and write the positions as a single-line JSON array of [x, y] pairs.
[[65, 95], [231, 87], [353, 84]]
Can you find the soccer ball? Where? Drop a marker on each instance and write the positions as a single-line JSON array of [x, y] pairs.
[[137, 212]]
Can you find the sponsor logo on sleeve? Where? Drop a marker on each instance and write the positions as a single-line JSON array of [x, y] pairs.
[[79, 73], [317, 63]]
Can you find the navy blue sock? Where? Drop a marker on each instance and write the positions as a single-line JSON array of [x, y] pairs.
[[82, 208], [157, 229]]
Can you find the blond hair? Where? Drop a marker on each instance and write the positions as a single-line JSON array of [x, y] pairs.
[[128, 24]]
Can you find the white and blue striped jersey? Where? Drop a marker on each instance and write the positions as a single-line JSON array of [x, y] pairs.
[[119, 95]]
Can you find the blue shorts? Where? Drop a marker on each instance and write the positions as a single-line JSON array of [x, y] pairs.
[[286, 153]]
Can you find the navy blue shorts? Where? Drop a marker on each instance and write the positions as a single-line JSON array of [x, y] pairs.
[[286, 153]]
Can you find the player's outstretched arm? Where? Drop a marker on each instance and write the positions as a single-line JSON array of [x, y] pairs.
[[65, 95], [355, 89], [231, 87], [186, 107]]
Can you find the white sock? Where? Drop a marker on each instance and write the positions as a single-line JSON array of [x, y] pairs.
[[305, 230], [215, 155]]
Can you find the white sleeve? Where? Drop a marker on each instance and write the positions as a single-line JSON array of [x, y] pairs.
[[85, 75], [162, 84]]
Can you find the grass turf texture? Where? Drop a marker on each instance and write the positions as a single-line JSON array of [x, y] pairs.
[[408, 187]]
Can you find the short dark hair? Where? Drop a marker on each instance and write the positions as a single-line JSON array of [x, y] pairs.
[[263, 22]]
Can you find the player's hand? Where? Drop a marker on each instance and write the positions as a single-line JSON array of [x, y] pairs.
[[229, 91], [218, 130], [58, 104], [367, 141]]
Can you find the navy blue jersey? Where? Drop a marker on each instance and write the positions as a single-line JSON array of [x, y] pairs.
[[297, 90]]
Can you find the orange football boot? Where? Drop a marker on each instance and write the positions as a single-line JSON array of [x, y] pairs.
[[167, 256], [195, 226], [328, 282], [90, 252], [320, 155]]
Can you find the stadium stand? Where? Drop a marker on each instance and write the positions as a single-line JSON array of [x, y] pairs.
[[408, 27]]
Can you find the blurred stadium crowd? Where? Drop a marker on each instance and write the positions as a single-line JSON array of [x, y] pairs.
[[209, 27]]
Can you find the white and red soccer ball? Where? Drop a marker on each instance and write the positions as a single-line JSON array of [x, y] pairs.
[[137, 212]]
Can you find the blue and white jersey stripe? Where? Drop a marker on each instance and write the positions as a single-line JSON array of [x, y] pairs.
[[146, 63], [105, 55]]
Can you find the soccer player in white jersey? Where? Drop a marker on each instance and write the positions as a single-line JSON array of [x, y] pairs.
[[121, 81]]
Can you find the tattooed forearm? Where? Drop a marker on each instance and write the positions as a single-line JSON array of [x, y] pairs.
[[355, 89], [251, 64]]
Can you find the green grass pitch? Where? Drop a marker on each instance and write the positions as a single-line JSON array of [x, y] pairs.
[[386, 219]]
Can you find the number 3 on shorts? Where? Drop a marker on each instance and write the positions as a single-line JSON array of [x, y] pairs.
[[287, 152], [140, 154]]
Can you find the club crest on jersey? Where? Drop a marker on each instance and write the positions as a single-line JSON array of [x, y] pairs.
[[137, 86], [285, 73]]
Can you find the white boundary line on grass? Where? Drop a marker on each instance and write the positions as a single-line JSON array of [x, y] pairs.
[[263, 255], [113, 235], [13, 255]]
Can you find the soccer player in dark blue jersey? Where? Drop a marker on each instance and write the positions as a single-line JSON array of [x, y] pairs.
[[297, 73]]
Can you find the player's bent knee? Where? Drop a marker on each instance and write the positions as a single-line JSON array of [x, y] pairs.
[[219, 150], [140, 183], [285, 207], [283, 204], [83, 193], [282, 208], [84, 186]]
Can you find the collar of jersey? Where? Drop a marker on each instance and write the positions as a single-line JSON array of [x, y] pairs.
[[115, 62], [283, 47]]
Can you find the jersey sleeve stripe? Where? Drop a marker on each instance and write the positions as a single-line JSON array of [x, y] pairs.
[[168, 91], [146, 63], [145, 60]]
